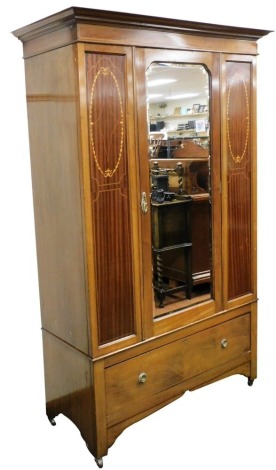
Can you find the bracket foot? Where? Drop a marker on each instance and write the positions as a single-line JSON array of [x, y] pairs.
[[52, 421], [99, 462]]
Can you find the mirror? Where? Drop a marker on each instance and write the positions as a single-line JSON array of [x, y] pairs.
[[179, 171]]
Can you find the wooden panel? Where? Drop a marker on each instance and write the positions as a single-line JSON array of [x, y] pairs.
[[175, 362], [90, 25], [201, 234], [88, 16], [68, 384], [54, 149], [110, 195], [74, 387], [239, 169], [118, 422]]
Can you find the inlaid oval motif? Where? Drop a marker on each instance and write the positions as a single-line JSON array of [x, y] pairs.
[[237, 118], [106, 122]]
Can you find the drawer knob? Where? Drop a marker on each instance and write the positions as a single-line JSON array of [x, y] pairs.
[[224, 343], [142, 378]]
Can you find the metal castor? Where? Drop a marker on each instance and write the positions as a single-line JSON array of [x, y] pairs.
[[250, 382], [52, 421], [99, 462]]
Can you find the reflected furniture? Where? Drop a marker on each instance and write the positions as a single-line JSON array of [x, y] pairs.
[[191, 178], [172, 248], [111, 358]]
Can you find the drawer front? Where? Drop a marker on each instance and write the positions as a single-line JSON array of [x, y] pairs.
[[150, 373]]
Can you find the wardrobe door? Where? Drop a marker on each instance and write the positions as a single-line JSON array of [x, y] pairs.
[[179, 156], [110, 184], [239, 179]]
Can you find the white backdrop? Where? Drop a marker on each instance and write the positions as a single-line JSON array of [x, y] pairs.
[[226, 425]]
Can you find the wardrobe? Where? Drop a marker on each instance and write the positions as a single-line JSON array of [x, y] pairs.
[[142, 138]]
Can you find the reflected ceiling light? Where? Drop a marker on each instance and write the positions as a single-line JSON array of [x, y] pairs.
[[160, 81], [181, 97], [152, 96]]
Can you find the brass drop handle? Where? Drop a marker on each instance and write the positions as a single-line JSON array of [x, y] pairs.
[[142, 378], [224, 343], [144, 203]]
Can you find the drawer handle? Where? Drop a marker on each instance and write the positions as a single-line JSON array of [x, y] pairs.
[[142, 378], [224, 343]]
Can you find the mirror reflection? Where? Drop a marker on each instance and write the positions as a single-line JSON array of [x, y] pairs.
[[179, 169]]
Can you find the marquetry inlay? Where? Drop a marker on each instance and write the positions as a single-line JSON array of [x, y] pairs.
[[48, 97], [105, 72], [238, 157]]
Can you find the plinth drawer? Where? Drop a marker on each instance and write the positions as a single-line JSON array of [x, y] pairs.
[[138, 378]]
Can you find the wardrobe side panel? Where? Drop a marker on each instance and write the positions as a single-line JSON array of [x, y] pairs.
[[71, 390], [54, 148]]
